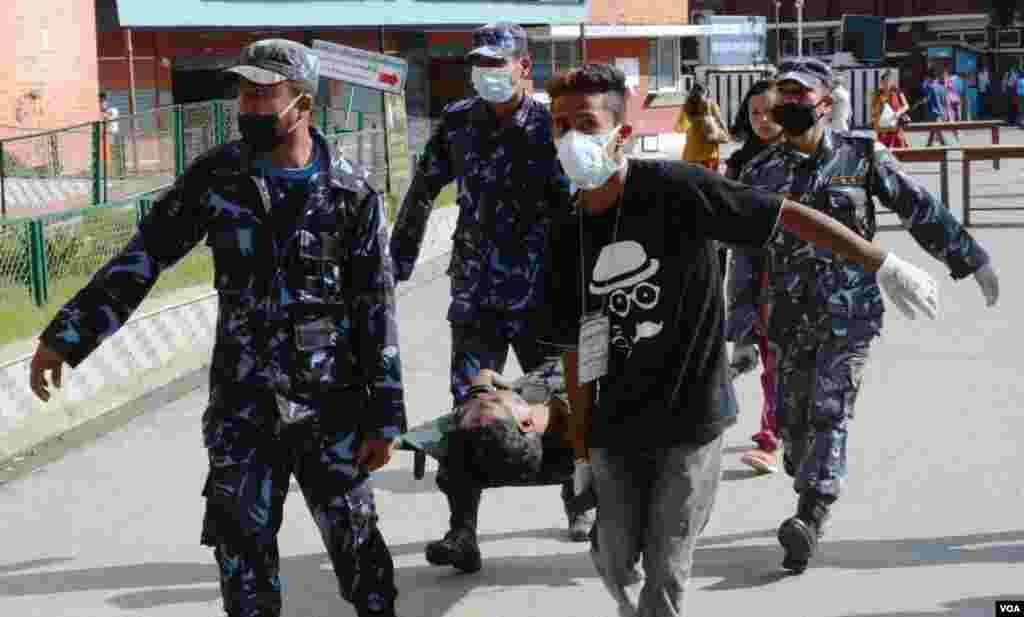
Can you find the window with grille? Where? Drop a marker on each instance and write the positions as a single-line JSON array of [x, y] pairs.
[[550, 57], [665, 63]]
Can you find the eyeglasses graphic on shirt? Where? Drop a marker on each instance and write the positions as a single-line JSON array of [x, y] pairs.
[[644, 295]]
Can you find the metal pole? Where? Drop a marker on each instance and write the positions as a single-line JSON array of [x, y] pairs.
[[799, 28], [778, 32], [387, 133], [583, 45], [131, 97]]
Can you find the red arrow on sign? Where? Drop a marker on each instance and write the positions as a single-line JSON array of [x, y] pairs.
[[388, 78]]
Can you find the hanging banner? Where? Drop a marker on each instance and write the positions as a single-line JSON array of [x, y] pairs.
[[364, 68]]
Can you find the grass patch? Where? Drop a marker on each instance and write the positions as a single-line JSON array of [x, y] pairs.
[[22, 319]]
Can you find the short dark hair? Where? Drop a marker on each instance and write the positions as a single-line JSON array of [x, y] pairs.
[[501, 453], [933, 73], [103, 95], [592, 79]]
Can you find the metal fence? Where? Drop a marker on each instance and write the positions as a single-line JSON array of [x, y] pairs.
[[73, 198]]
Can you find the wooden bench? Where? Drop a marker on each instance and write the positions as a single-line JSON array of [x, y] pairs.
[[983, 153], [992, 125], [930, 155]]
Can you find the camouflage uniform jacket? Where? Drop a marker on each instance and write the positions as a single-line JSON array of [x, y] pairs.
[[305, 292], [810, 289], [509, 184]]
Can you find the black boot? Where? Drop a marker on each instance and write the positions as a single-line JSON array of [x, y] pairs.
[[459, 547], [579, 511], [799, 535]]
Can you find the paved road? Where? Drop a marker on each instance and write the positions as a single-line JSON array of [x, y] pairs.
[[931, 524]]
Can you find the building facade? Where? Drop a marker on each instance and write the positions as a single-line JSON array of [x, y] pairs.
[[49, 75]]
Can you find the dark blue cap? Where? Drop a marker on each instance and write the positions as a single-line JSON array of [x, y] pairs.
[[808, 72], [499, 41]]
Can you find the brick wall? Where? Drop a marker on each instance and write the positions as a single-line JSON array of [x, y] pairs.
[[150, 48], [645, 120], [48, 78], [638, 12]]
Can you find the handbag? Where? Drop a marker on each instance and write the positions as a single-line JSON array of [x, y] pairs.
[[887, 119], [713, 132]]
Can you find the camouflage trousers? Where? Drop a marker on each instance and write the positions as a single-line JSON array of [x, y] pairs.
[[252, 459], [485, 343], [818, 382]]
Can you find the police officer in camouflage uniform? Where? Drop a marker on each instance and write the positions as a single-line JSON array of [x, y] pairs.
[[305, 378], [826, 311], [498, 147]]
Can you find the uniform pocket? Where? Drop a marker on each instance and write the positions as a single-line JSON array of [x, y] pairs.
[[234, 257]]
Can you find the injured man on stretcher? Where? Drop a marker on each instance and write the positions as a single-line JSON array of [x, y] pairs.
[[509, 433]]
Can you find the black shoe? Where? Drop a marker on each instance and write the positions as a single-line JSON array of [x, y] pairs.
[[799, 539], [799, 535], [458, 548]]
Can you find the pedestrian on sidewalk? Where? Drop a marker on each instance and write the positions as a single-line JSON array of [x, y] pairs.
[[889, 108], [826, 311], [497, 146], [306, 377], [935, 91], [842, 109], [638, 307], [701, 121], [747, 281]]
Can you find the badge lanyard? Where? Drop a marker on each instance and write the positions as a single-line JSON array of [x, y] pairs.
[[595, 327]]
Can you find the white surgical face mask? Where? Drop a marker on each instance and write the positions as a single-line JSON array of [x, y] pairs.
[[495, 85], [586, 160]]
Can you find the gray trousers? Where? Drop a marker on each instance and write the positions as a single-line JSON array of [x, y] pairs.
[[652, 504]]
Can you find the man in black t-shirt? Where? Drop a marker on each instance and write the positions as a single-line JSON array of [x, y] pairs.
[[637, 307]]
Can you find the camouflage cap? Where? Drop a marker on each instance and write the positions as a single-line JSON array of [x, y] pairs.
[[808, 72], [272, 61], [499, 41]]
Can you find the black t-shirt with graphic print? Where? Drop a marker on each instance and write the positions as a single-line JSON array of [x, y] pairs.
[[659, 282]]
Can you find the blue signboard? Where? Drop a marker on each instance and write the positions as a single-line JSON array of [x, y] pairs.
[[864, 37], [940, 52], [737, 40], [282, 14]]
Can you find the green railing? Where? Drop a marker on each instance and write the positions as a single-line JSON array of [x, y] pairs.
[[72, 198]]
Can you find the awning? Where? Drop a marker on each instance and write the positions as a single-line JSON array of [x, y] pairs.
[[623, 31], [280, 14]]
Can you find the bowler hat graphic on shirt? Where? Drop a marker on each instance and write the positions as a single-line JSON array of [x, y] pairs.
[[622, 264]]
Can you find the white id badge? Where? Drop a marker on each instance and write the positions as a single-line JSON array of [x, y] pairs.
[[595, 337]]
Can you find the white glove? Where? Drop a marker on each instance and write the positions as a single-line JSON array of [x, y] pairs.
[[910, 288], [582, 477], [989, 283], [744, 358]]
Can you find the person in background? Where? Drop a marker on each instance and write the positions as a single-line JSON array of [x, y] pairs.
[[693, 121], [936, 95], [747, 279], [951, 82], [842, 109], [110, 128], [984, 85], [888, 93]]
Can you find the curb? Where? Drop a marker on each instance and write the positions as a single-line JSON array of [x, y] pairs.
[[54, 447]]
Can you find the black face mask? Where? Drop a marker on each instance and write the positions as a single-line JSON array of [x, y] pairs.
[[795, 118], [259, 131]]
